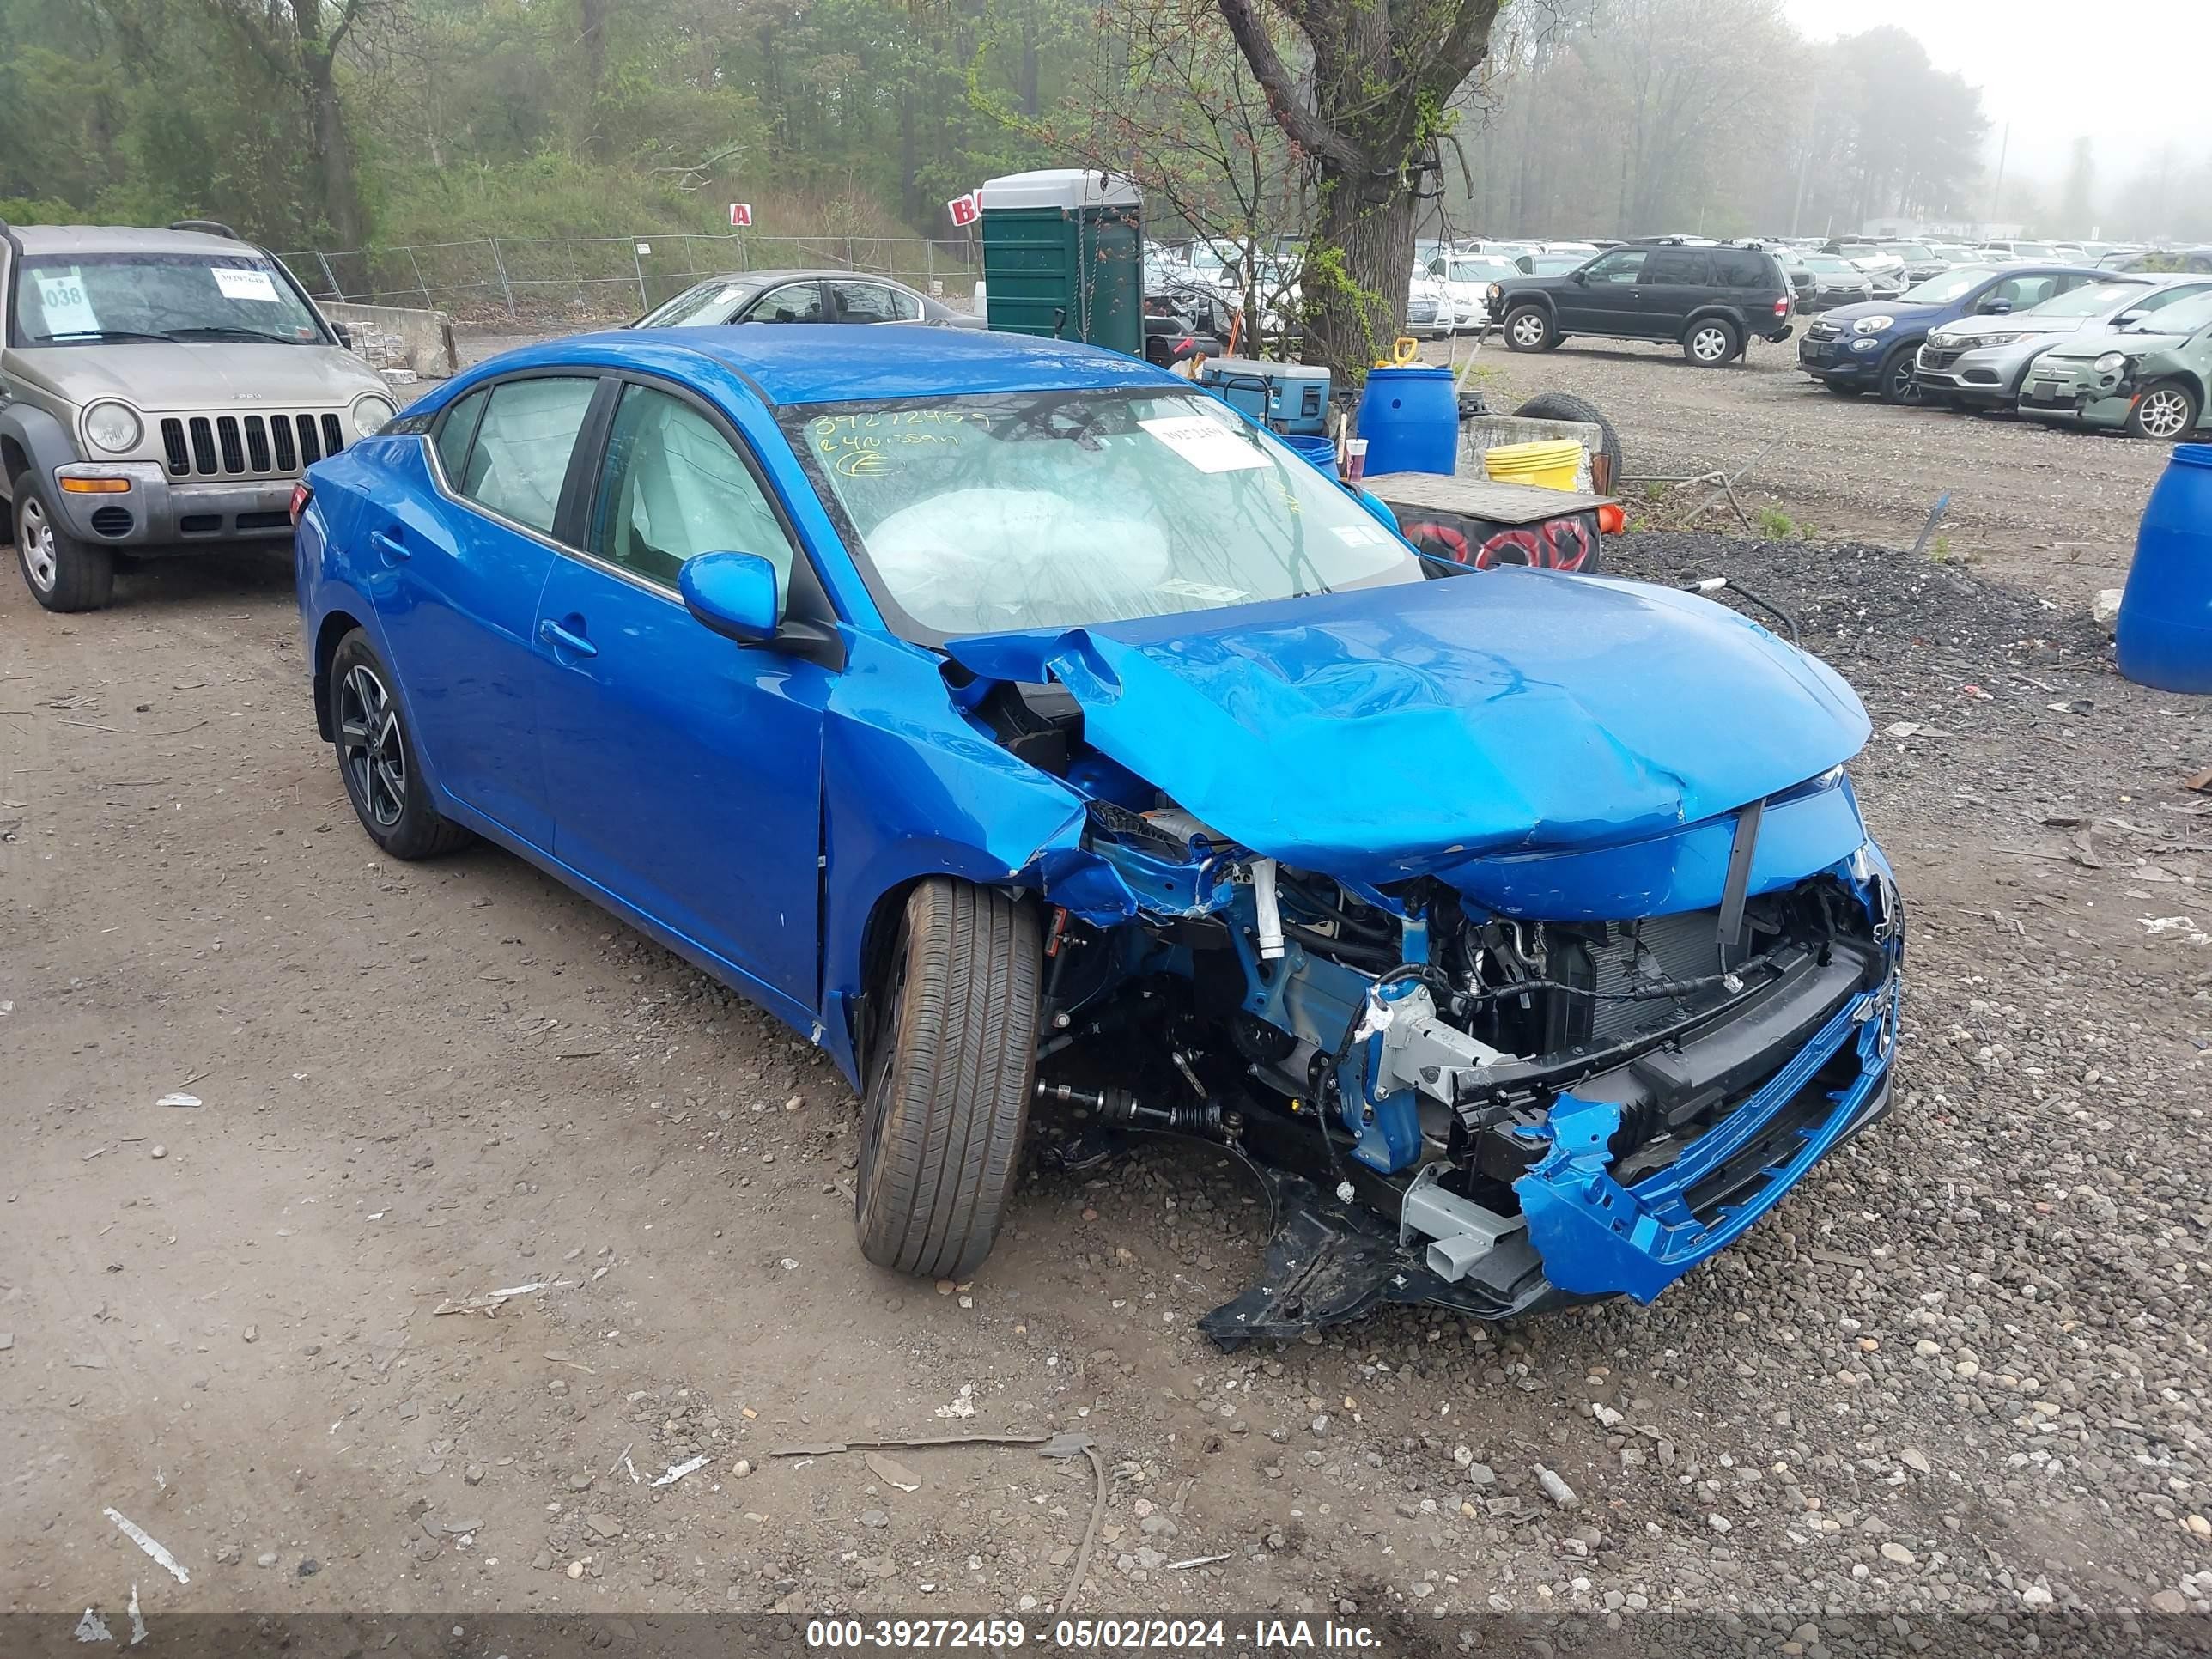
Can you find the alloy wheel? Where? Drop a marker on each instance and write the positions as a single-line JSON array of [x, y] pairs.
[[1528, 329], [369, 748], [36, 536], [2163, 413], [1710, 344]]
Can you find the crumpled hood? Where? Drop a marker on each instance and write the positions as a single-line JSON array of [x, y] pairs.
[[1387, 732], [197, 375]]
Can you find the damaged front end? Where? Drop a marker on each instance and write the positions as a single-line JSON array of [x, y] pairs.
[[1488, 1072]]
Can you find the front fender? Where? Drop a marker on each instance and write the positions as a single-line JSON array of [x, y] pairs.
[[910, 789], [46, 442]]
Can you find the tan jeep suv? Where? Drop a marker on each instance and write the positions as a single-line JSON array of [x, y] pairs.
[[160, 391]]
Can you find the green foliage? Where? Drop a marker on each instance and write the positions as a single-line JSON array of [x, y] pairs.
[[1775, 526]]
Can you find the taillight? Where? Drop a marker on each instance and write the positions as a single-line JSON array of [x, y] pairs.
[[300, 496], [1781, 306]]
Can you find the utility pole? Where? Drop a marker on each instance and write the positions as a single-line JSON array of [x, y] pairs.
[[1996, 201], [1805, 159]]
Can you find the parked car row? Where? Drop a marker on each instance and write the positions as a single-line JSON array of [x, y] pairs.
[[2125, 351]]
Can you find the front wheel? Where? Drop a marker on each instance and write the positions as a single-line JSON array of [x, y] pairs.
[[377, 758], [1711, 342], [62, 573], [1896, 384], [953, 1061], [1530, 328], [2166, 412]]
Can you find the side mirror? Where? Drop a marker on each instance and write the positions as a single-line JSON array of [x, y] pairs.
[[1994, 307], [732, 594], [344, 333], [1581, 278]]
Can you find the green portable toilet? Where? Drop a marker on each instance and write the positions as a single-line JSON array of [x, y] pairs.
[[1064, 256]]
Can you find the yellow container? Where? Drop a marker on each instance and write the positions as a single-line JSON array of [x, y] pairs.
[[1551, 465]]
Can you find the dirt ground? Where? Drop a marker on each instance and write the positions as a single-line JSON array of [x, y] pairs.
[[2052, 509], [1961, 1371]]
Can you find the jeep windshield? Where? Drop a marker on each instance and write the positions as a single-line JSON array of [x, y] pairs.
[[1052, 509], [106, 298]]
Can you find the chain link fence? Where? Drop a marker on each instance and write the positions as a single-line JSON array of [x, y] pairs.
[[491, 279]]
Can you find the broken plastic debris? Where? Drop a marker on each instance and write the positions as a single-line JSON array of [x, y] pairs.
[[138, 1624], [178, 1099], [490, 1301], [892, 1473], [675, 1472], [137, 1535], [963, 1405], [92, 1628], [2166, 924], [1195, 1561]]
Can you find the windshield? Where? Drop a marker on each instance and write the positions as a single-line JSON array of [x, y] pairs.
[[1829, 262], [1951, 285], [95, 299], [1052, 509], [1481, 270], [2093, 300], [1911, 251], [708, 304], [1557, 265], [2182, 317]]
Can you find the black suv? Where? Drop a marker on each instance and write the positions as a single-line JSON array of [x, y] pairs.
[[1711, 299]]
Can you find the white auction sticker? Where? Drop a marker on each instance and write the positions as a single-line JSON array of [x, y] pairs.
[[67, 306], [1205, 443], [238, 284], [1364, 535]]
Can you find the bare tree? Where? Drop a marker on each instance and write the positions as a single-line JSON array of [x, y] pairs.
[[299, 41], [1363, 89]]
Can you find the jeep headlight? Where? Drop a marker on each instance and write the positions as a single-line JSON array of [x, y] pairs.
[[1873, 324], [113, 427], [2111, 362], [370, 411]]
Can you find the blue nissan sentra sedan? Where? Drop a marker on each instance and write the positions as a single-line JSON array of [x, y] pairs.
[[1019, 723]]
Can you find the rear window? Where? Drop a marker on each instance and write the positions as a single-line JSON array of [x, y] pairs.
[[1744, 268], [1679, 266]]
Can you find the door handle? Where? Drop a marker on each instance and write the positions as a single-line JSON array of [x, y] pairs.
[[389, 544], [563, 639]]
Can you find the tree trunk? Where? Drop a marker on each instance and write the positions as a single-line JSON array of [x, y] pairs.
[[334, 162], [1026, 80], [1353, 313], [591, 24]]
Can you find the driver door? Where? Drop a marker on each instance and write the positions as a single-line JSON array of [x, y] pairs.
[[1606, 296], [683, 770]]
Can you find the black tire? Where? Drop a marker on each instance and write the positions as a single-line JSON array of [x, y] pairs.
[[62, 572], [1530, 328], [1711, 342], [1895, 381], [1565, 406], [377, 759], [2165, 412], [951, 1068]]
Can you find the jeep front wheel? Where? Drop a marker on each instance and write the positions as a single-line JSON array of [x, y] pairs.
[[62, 573], [950, 1065], [1530, 328]]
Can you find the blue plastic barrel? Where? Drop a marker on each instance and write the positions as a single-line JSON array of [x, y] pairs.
[[1320, 450], [1410, 418], [2166, 614]]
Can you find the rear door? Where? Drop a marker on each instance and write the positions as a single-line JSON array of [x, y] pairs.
[[683, 770], [853, 301], [1676, 282], [460, 575], [1603, 296]]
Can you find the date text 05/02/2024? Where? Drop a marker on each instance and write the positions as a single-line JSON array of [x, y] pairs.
[[1107, 1635]]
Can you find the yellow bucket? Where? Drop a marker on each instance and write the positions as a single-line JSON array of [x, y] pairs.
[[1551, 465]]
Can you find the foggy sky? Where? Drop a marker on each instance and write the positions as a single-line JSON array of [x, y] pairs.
[[2131, 76]]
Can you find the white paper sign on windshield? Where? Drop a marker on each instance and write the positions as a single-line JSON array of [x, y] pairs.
[[238, 284], [1205, 443], [68, 307]]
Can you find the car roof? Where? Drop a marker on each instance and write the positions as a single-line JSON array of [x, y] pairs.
[[123, 239], [832, 362], [795, 274]]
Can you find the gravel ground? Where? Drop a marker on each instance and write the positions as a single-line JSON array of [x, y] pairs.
[[1960, 1371], [2051, 509]]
